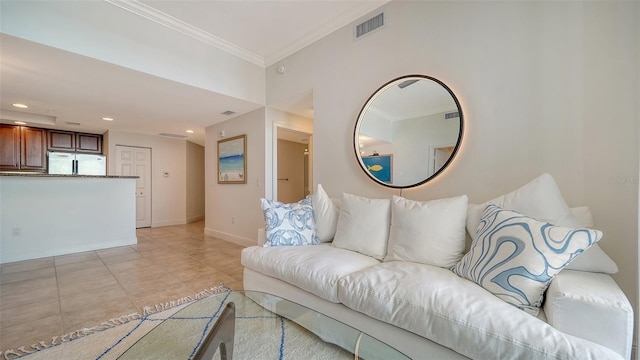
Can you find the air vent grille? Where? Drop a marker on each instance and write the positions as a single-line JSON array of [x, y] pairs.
[[228, 112], [173, 135], [451, 115], [72, 123], [370, 25]]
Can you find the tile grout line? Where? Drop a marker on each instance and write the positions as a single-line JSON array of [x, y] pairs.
[[183, 242], [129, 297]]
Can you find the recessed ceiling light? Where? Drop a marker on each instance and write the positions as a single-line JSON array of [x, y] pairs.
[[107, 119], [190, 131], [21, 106], [20, 123]]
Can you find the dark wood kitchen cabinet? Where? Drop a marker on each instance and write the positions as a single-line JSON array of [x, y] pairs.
[[23, 148], [91, 143], [60, 140], [9, 147]]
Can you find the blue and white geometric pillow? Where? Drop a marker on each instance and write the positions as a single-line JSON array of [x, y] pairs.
[[289, 224], [515, 257]]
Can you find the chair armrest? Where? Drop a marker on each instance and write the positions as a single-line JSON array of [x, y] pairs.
[[591, 306], [262, 237]]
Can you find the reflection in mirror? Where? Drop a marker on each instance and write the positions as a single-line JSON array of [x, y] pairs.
[[408, 131]]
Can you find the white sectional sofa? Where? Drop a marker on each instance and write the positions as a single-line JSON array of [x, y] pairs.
[[431, 311]]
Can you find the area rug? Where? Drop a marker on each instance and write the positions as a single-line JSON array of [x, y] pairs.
[[182, 333]]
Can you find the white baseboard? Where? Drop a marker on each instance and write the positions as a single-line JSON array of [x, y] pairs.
[[230, 237], [48, 252]]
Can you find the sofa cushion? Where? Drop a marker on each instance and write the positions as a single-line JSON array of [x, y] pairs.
[[440, 306], [540, 199], [515, 257], [429, 232], [315, 269], [325, 214], [289, 224], [363, 225], [593, 259]]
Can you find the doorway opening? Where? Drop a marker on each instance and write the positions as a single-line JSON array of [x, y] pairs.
[[439, 156], [294, 181]]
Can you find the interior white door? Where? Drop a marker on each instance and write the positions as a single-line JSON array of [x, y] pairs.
[[136, 161]]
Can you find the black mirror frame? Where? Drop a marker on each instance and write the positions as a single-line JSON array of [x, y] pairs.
[[356, 146]]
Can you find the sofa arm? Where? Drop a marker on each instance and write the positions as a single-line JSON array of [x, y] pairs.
[[591, 306], [262, 236]]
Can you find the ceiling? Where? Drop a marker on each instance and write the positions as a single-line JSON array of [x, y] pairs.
[[60, 86]]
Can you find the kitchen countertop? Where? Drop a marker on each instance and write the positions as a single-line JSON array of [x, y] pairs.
[[65, 175]]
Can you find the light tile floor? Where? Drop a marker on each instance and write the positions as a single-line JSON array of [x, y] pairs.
[[53, 296]]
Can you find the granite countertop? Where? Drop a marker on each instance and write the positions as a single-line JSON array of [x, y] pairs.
[[35, 174]]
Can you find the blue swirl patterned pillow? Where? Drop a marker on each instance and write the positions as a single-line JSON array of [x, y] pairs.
[[515, 257], [289, 224]]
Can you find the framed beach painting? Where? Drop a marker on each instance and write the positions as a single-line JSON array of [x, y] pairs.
[[380, 166], [232, 160]]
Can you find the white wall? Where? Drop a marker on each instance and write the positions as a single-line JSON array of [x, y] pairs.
[[233, 211], [291, 121], [544, 87], [64, 215], [195, 182], [377, 126], [81, 27], [169, 194]]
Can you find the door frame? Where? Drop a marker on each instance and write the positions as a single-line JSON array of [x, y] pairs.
[[274, 160]]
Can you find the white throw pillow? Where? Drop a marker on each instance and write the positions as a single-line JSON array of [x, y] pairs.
[[430, 232], [363, 225], [593, 259], [289, 224], [515, 257], [325, 214], [540, 199]]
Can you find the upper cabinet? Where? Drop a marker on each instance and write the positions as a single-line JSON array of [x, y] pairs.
[[9, 147], [91, 143], [62, 140], [23, 148], [71, 141]]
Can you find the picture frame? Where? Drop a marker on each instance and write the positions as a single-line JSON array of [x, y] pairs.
[[380, 167], [232, 160]]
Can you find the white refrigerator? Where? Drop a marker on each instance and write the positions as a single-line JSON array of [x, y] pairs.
[[76, 164]]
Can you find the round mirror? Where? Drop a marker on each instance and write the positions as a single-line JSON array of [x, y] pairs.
[[408, 131]]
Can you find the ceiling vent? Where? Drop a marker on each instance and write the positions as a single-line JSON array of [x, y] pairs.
[[72, 123], [173, 135], [368, 26], [451, 115], [406, 83], [228, 112]]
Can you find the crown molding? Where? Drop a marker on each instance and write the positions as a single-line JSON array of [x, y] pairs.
[[150, 13]]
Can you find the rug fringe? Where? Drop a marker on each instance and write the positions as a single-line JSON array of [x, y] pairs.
[[105, 325]]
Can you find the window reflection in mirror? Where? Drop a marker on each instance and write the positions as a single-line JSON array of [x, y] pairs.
[[408, 131]]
